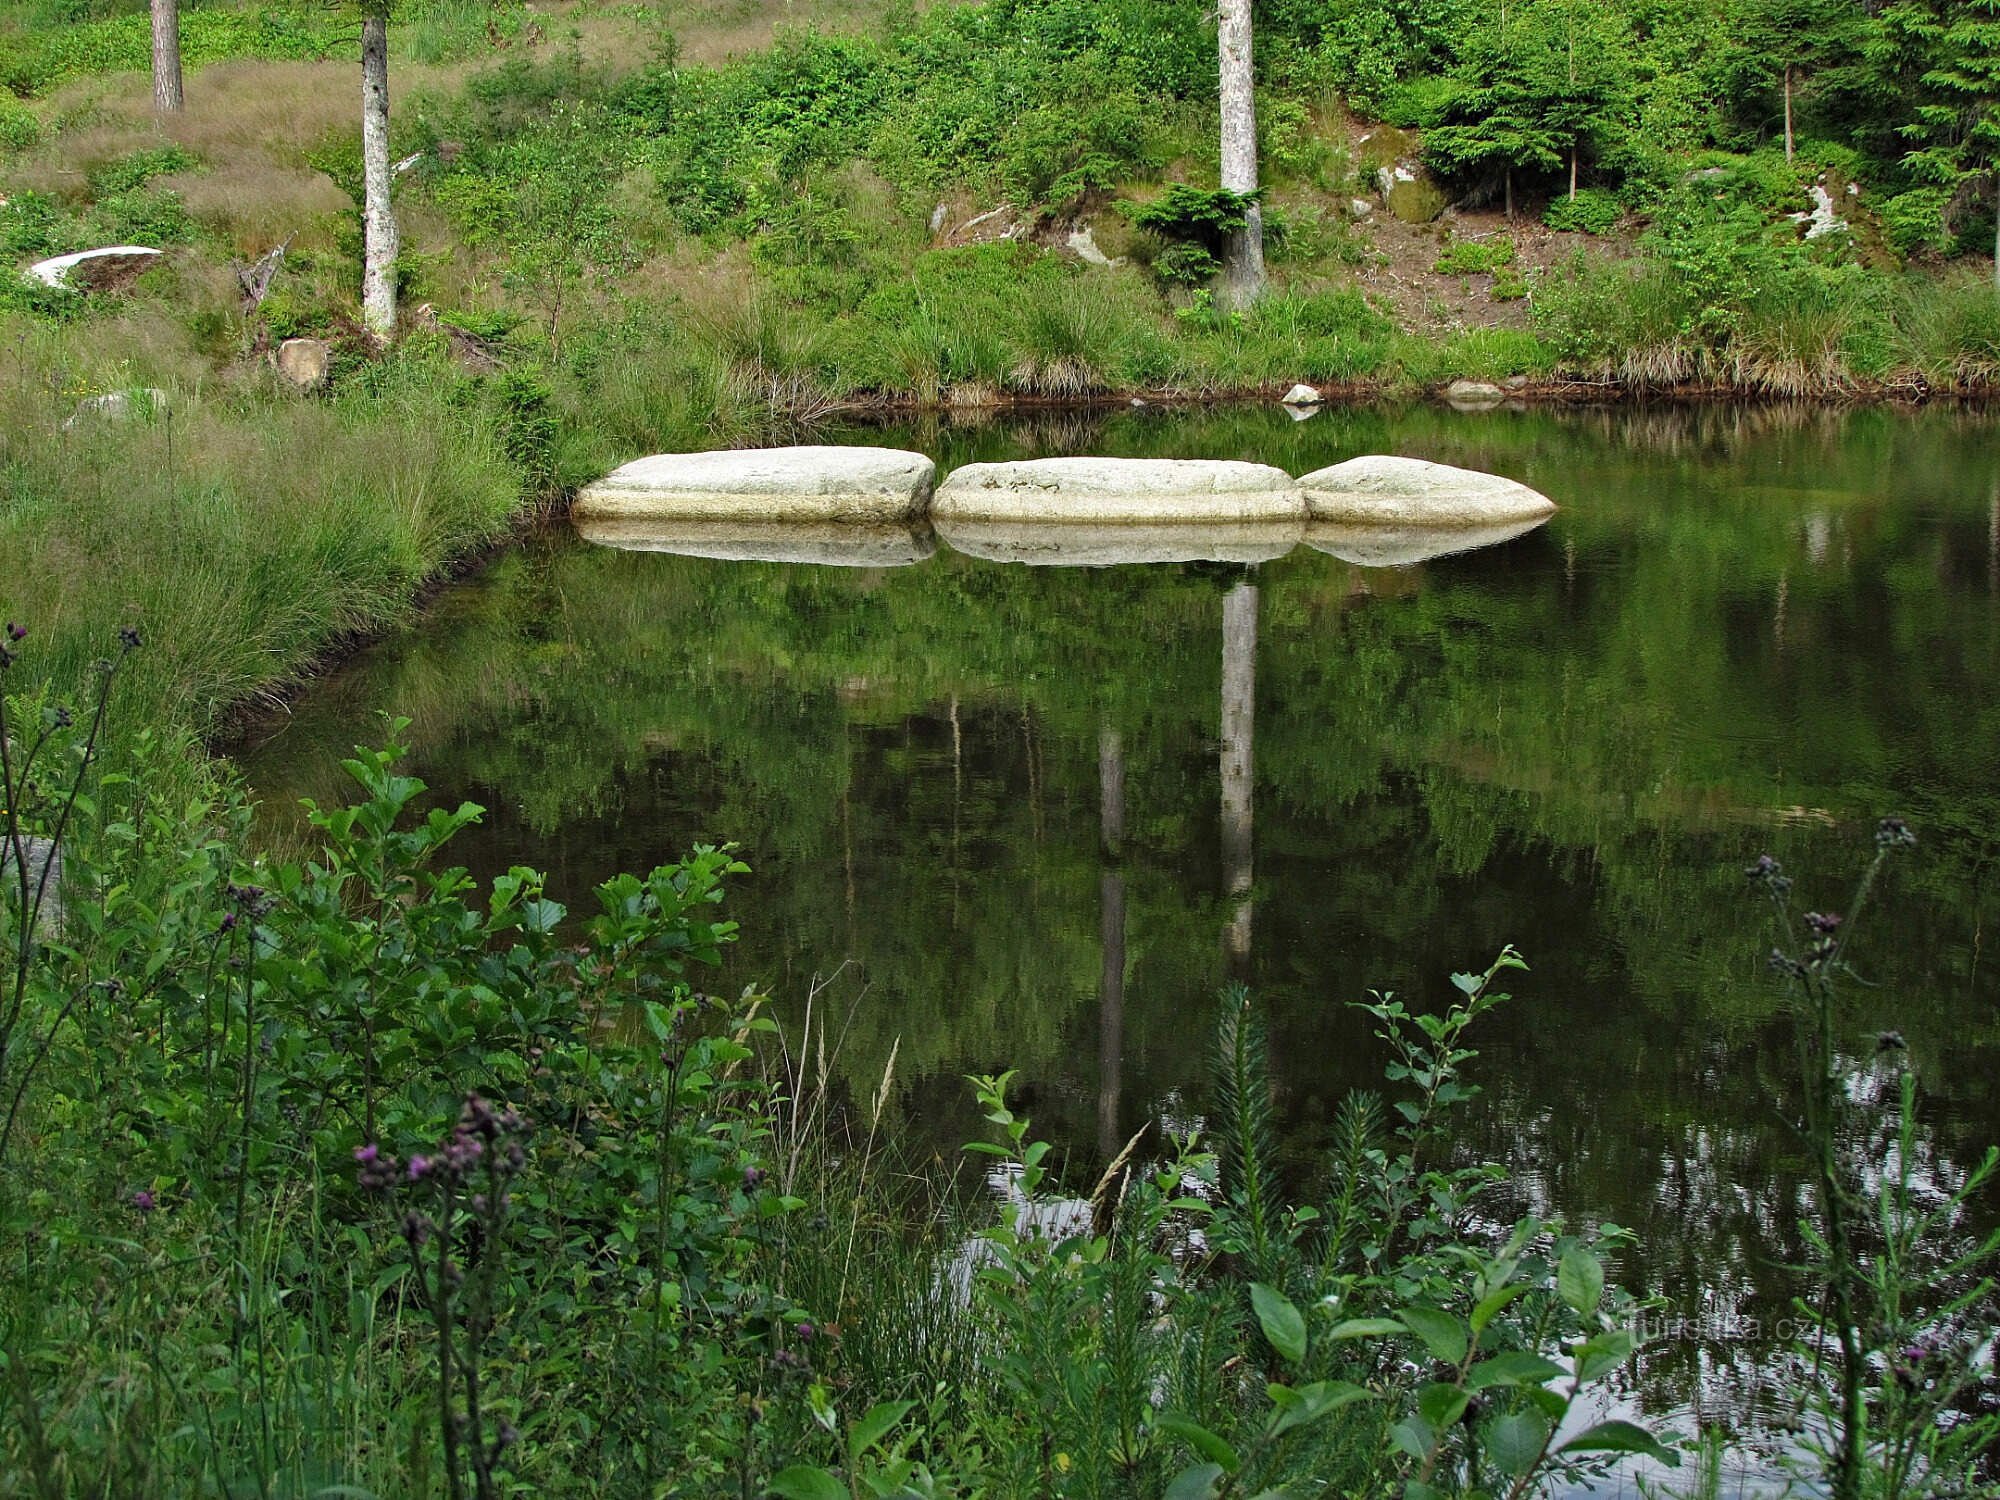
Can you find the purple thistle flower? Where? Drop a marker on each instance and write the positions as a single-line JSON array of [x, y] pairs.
[[420, 1168], [143, 1201]]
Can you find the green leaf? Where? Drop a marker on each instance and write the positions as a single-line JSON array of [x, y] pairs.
[[1621, 1437], [1365, 1328], [1495, 1302], [1204, 1442], [1515, 1367], [1197, 1483], [1442, 1334], [1441, 1404], [1413, 1436], [1311, 1402], [805, 1482], [1602, 1353], [873, 1427], [1580, 1280], [1280, 1320], [1514, 1440]]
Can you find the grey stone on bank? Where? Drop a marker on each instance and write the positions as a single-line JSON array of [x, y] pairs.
[[1401, 546], [83, 268], [1078, 491], [38, 854], [827, 543], [1384, 491], [1090, 545], [1302, 395], [765, 484], [1473, 395], [119, 406], [305, 363]]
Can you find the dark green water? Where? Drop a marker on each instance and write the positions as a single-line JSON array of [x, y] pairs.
[[987, 801]]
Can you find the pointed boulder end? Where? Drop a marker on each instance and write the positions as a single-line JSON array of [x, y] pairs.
[[1118, 491], [1405, 546], [764, 484], [1411, 492], [834, 544]]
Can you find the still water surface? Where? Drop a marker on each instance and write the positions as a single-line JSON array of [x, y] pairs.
[[989, 802]]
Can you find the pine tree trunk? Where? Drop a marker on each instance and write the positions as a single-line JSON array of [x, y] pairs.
[[167, 93], [1242, 279], [1572, 172], [1510, 194], [378, 285], [1788, 111], [1239, 725], [1111, 932]]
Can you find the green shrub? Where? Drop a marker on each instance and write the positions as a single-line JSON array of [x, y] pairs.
[[1475, 257], [1590, 211]]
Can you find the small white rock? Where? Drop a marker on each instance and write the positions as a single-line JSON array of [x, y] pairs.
[[1302, 395]]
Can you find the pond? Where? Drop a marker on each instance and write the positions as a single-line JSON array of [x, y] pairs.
[[988, 816]]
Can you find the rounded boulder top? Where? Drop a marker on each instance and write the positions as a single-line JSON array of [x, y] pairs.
[[815, 483], [1409, 492], [1155, 491]]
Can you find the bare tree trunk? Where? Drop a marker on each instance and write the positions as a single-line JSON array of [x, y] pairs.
[[1239, 725], [1510, 194], [1996, 228], [378, 285], [1243, 258], [1788, 111], [167, 94], [1111, 918], [1572, 172]]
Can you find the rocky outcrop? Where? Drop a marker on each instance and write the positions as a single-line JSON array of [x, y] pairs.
[[305, 363], [88, 270], [1156, 491], [826, 543], [1102, 546], [765, 484], [1412, 492], [1400, 546], [118, 406]]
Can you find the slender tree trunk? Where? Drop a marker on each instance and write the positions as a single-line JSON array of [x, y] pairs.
[[167, 96], [1111, 919], [1996, 229], [378, 285], [1243, 258], [1788, 111], [1572, 172], [1239, 726], [1510, 194]]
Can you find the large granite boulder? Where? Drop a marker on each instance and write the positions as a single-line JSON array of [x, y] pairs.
[[1153, 491], [1091, 545], [830, 543], [1384, 491], [764, 484], [86, 270], [1401, 546]]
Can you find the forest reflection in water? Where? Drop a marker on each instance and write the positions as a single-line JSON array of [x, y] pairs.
[[1037, 817]]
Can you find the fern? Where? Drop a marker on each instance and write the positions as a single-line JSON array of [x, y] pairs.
[[1248, 1221]]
